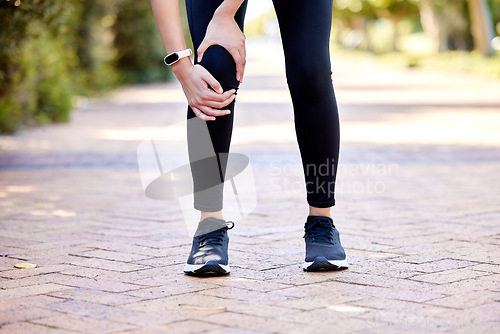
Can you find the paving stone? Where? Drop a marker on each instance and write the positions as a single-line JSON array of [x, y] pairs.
[[98, 284], [82, 324], [17, 273], [173, 302], [409, 321], [442, 265], [15, 315], [381, 281], [251, 284], [467, 300], [95, 296], [86, 272], [162, 261], [31, 290], [319, 301], [422, 248], [38, 301], [144, 275], [302, 291], [401, 306], [398, 294], [482, 327], [244, 294], [248, 322], [481, 283], [233, 330], [489, 268], [105, 264], [137, 318], [26, 327], [166, 290], [33, 280], [448, 276], [176, 285], [336, 317], [181, 327], [295, 275], [113, 255]]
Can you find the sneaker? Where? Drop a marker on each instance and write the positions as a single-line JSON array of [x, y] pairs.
[[209, 251], [323, 248]]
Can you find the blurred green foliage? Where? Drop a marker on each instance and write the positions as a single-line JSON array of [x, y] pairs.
[[33, 60], [139, 46], [52, 50], [377, 25]]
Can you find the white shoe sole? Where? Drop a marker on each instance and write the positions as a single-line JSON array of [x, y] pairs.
[[321, 263], [207, 268]]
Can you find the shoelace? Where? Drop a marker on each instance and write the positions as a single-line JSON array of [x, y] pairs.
[[215, 237], [320, 231]]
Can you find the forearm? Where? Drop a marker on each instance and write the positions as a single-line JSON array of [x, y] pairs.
[[168, 21], [229, 7]]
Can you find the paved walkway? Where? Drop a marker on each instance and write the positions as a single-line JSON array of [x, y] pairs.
[[417, 208]]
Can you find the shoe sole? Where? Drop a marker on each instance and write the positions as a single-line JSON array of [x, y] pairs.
[[210, 268], [322, 264]]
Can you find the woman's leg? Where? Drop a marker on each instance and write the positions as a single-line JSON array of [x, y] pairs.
[[305, 31], [207, 196]]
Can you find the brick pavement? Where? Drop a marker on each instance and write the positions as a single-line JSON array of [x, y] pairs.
[[417, 209]]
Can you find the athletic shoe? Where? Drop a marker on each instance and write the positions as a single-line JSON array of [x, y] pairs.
[[323, 248], [209, 251]]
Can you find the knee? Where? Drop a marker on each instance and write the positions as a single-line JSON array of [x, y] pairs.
[[221, 65], [309, 75]]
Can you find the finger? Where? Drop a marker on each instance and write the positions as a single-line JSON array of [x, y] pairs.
[[220, 105], [243, 52], [239, 59], [240, 69], [227, 94], [201, 49], [201, 115], [212, 82], [212, 96], [213, 112]]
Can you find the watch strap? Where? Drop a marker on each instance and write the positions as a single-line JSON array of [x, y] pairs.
[[177, 56], [184, 53]]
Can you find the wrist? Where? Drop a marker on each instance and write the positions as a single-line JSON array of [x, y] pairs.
[[181, 67], [225, 12]]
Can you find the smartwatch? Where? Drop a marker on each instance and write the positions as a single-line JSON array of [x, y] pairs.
[[174, 57]]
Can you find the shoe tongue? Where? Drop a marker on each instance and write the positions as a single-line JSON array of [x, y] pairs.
[[319, 221], [210, 224], [313, 219]]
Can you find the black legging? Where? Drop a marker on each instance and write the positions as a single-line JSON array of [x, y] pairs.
[[305, 31]]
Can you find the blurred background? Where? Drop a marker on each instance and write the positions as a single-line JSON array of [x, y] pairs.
[[54, 54]]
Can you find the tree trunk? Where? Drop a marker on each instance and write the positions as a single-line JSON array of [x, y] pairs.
[[395, 34], [368, 40], [482, 26], [433, 25]]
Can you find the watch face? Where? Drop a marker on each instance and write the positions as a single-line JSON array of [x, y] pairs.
[[171, 58]]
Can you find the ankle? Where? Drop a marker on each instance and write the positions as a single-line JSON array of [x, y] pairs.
[[216, 214], [323, 212]]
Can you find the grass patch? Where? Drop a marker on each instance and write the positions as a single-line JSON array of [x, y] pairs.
[[454, 61]]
